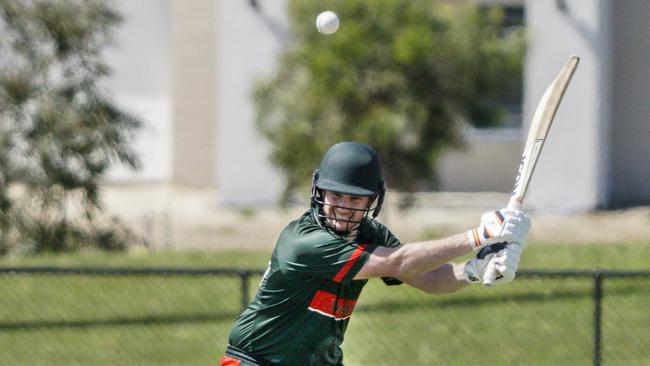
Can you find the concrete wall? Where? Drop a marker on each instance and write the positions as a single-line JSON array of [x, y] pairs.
[[194, 34]]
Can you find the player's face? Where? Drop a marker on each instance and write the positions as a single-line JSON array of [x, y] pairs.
[[344, 212]]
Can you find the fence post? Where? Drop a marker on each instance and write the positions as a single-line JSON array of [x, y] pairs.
[[598, 298], [244, 289]]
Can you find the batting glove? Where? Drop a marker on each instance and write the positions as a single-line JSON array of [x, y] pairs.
[[501, 226]]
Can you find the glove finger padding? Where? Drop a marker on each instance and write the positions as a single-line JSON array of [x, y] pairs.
[[505, 270], [516, 226], [509, 258]]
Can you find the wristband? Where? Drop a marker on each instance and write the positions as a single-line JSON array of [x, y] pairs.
[[473, 239]]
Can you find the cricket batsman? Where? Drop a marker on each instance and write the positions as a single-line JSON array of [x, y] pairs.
[[322, 261]]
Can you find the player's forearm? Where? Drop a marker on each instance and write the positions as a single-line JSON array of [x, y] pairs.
[[423, 257], [444, 279]]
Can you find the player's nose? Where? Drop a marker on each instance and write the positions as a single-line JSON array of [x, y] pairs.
[[342, 204]]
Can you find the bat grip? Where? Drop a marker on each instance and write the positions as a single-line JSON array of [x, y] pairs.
[[491, 271], [514, 204]]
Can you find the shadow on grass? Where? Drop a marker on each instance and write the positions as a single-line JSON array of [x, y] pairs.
[[169, 319], [426, 301]]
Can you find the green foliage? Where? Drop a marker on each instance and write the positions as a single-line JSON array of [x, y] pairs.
[[59, 132], [400, 75]]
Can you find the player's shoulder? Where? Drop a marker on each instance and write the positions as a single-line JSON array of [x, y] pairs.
[[375, 225], [379, 234]]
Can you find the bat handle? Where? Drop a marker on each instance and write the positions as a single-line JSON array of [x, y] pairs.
[[490, 273], [491, 270], [514, 204]]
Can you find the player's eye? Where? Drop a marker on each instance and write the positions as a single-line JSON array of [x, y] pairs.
[[355, 199]]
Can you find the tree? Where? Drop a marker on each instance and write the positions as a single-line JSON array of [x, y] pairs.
[[401, 75], [59, 131]]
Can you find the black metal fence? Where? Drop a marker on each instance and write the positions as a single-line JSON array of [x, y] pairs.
[[598, 277], [57, 315]]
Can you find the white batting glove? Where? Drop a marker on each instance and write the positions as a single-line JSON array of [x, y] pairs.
[[501, 226]]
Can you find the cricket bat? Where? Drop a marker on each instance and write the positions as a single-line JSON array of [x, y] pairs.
[[539, 127]]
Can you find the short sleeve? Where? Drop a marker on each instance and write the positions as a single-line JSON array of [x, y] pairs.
[[392, 281], [383, 236]]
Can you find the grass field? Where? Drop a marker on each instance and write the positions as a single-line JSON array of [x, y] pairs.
[[170, 320]]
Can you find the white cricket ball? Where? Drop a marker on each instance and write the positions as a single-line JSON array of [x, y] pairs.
[[327, 22]]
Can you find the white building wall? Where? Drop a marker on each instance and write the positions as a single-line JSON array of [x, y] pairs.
[[249, 40], [141, 84]]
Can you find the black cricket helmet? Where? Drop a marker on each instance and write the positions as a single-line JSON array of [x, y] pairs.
[[349, 168]]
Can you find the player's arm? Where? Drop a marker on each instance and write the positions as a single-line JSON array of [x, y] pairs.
[[407, 261], [450, 277]]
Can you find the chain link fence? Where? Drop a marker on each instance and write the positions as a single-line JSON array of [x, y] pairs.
[[94, 316]]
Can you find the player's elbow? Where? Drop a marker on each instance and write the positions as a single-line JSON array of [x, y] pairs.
[[397, 265], [395, 268], [390, 267]]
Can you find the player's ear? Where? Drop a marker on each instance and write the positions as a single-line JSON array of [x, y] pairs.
[[314, 179], [371, 201]]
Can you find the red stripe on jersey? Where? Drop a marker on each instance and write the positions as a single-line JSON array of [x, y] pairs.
[[229, 361], [327, 304], [353, 258]]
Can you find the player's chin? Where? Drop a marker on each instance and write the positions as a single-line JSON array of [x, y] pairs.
[[339, 225]]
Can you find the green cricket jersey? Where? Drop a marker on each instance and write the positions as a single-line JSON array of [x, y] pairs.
[[307, 295]]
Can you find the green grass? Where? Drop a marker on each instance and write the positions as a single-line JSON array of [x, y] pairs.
[[154, 320]]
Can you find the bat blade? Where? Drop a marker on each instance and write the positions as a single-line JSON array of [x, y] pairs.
[[539, 127], [537, 133]]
